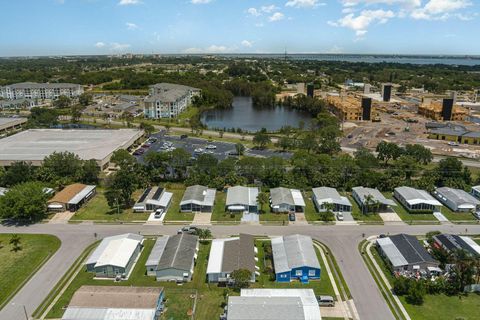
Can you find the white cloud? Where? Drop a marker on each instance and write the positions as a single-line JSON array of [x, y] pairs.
[[277, 16], [361, 22], [128, 2], [131, 26], [303, 3], [100, 44], [200, 1], [247, 43], [253, 12], [115, 46], [269, 8], [441, 9]]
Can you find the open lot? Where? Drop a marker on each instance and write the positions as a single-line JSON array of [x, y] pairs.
[[17, 267]]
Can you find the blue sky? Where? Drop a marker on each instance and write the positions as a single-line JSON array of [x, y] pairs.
[[55, 27]]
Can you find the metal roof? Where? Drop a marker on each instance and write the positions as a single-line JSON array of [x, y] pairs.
[[242, 195], [391, 251], [82, 194], [274, 304], [416, 196], [157, 251], [199, 195], [74, 313], [291, 197], [293, 251], [461, 198], [409, 250], [230, 254], [116, 250], [178, 252], [34, 85], [376, 195], [453, 242], [330, 195]]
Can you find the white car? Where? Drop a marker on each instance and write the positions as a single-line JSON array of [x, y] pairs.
[[211, 146], [158, 213], [340, 216], [452, 143], [198, 150]]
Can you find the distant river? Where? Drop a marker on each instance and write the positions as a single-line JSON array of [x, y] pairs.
[[244, 115]]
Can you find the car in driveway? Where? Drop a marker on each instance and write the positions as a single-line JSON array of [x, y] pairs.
[[291, 216], [158, 213], [339, 216], [326, 301]]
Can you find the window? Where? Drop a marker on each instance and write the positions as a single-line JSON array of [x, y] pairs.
[[298, 273], [311, 273]]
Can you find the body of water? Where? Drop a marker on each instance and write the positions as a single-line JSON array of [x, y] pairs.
[[244, 115]]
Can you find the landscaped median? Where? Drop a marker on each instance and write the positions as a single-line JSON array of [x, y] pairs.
[[197, 299], [18, 263]]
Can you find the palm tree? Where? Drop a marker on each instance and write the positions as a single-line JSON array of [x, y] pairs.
[[15, 242], [262, 199], [367, 203]]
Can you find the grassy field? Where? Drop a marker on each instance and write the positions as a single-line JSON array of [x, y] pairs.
[[357, 213], [173, 213], [20, 265], [311, 213], [439, 306], [405, 215], [457, 216], [97, 209]]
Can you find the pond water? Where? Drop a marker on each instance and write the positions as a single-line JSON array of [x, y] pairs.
[[249, 118]]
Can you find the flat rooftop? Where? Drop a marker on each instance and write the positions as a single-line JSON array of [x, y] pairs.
[[6, 123], [36, 144]]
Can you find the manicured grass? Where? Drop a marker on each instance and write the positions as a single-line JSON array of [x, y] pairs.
[[456, 216], [17, 267], [357, 213], [321, 287], [268, 215], [219, 213], [97, 209], [311, 213], [173, 213], [405, 215]]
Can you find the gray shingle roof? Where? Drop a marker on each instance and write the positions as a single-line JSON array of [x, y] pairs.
[[179, 252], [376, 195], [200, 195], [457, 196], [239, 254], [282, 195], [330, 195]]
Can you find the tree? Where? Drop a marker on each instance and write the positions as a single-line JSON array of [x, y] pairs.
[[85, 99], [240, 149], [147, 127], [63, 167], [76, 113], [203, 234], [24, 202], [122, 157], [90, 172], [261, 139], [241, 278], [416, 293], [18, 172], [121, 187], [262, 199], [388, 151], [62, 102], [407, 165], [285, 143], [42, 117], [15, 242], [420, 153], [365, 159], [328, 214]]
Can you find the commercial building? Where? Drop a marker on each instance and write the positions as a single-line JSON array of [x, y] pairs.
[[153, 198], [294, 258], [444, 110], [32, 90], [242, 199], [198, 199], [286, 200], [173, 258], [416, 201], [273, 304], [7, 124], [455, 133], [404, 253], [167, 100], [324, 195], [230, 254], [452, 242], [115, 256], [457, 200], [35, 144], [368, 198], [115, 303], [71, 198]]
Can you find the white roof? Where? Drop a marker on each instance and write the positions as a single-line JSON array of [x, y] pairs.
[[475, 246], [81, 195], [293, 251], [157, 251], [215, 258], [462, 199], [75, 313], [477, 188], [297, 197], [163, 201], [330, 195], [198, 195], [392, 253], [416, 196], [242, 195], [376, 195], [105, 245], [118, 253]]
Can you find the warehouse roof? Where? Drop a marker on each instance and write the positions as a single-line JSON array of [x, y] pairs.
[[199, 195], [230, 254], [330, 195], [274, 304], [403, 249], [293, 251], [291, 197], [178, 252], [454, 242], [36, 144], [416, 196], [462, 199], [115, 250], [376, 195], [242, 195]]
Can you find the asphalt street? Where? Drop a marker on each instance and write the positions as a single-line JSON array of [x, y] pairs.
[[341, 239]]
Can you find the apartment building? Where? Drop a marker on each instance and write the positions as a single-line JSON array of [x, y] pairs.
[[167, 100], [32, 90], [445, 110]]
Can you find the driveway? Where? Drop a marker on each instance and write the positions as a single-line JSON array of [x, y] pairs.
[[202, 219], [390, 216], [300, 219], [61, 217]]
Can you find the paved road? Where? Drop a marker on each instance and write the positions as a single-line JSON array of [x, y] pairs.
[[342, 240]]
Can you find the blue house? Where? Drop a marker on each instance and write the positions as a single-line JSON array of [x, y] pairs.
[[294, 258]]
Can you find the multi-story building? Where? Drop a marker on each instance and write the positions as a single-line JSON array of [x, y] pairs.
[[167, 100], [32, 90], [346, 107], [442, 110]]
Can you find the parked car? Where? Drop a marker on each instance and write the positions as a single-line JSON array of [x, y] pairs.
[[183, 136], [139, 152], [211, 146], [146, 145], [158, 213], [188, 229], [326, 301], [454, 144], [291, 216], [339, 216]]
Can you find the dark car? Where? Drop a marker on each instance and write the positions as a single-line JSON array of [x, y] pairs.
[[291, 216], [183, 136], [146, 145], [139, 152]]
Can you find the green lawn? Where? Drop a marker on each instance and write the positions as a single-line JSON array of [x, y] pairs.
[[405, 215], [357, 213], [457, 216], [97, 209], [437, 306], [20, 265], [268, 215], [311, 213], [321, 287], [219, 213], [173, 213]]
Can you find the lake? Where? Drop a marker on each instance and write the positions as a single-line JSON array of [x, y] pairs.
[[244, 115]]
